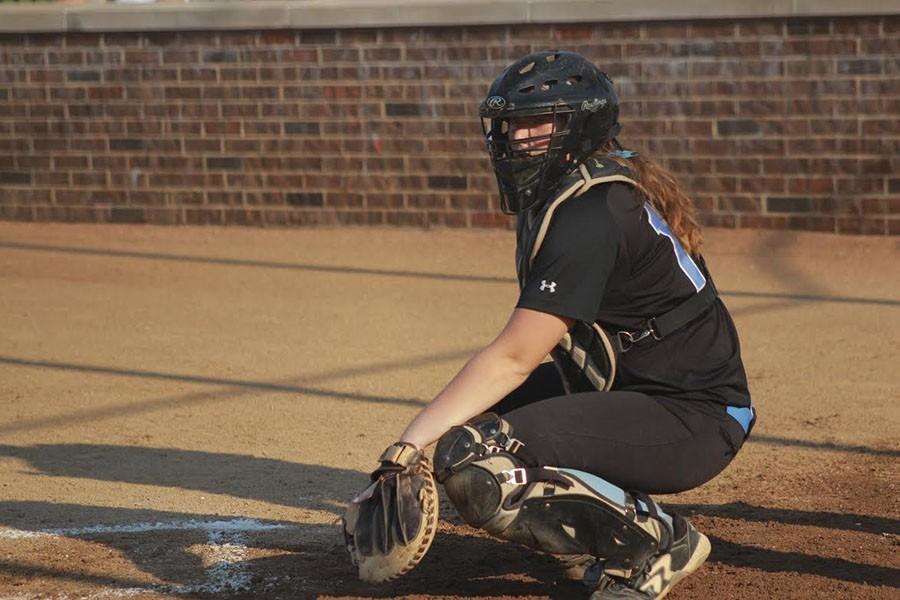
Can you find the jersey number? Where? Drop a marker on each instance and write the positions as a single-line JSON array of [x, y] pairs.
[[687, 264]]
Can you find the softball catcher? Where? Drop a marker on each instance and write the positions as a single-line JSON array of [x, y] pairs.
[[646, 392]]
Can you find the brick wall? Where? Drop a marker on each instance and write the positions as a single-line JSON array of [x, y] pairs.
[[782, 123]]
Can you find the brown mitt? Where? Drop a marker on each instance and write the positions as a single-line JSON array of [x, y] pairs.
[[391, 524]]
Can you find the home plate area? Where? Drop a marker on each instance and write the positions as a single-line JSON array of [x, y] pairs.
[[187, 557]]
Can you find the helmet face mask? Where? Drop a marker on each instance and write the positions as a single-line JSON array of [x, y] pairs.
[[561, 89], [523, 163]]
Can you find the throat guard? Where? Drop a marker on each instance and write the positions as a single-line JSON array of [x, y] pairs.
[[585, 356]]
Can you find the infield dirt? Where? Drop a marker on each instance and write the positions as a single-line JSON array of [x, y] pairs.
[[185, 411]]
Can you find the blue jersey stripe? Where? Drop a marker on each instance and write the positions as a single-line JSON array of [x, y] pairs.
[[743, 415], [685, 261]]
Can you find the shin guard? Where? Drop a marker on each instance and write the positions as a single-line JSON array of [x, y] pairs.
[[560, 511]]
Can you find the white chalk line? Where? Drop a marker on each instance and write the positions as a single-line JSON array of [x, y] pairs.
[[228, 572], [232, 525], [225, 551]]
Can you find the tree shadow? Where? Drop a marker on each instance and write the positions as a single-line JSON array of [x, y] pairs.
[[303, 560], [484, 566], [462, 560], [243, 262], [233, 388], [741, 511], [772, 440], [777, 561], [762, 250], [241, 476]]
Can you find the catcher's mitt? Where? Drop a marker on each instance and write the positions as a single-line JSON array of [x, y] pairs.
[[391, 524]]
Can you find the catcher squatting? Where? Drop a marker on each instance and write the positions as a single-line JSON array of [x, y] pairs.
[[646, 392]]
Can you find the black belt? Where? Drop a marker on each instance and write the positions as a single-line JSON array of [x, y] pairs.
[[661, 326]]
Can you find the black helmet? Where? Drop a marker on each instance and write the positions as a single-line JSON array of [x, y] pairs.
[[576, 96]]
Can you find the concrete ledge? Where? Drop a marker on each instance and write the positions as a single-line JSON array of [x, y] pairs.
[[322, 14]]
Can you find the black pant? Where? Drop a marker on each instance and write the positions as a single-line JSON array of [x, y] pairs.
[[648, 444]]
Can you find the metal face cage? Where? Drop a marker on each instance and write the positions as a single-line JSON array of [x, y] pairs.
[[526, 167]]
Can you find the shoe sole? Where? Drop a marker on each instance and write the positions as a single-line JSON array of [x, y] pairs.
[[698, 557]]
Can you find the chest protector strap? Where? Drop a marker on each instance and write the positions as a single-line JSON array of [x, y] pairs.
[[586, 355]]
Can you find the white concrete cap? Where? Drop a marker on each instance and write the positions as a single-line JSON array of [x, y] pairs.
[[322, 14]]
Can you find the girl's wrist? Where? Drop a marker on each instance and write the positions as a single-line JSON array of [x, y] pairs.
[[411, 441]]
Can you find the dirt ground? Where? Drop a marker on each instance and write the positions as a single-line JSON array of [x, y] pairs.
[[185, 411]]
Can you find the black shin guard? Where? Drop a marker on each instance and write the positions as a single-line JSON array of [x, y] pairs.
[[552, 510]]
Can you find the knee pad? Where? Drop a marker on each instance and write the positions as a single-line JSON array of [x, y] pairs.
[[472, 462], [560, 511]]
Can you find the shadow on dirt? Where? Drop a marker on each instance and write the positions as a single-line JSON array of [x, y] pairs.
[[772, 440], [741, 511], [461, 562], [313, 555], [231, 388], [302, 561], [777, 561], [241, 476], [243, 262], [763, 250], [237, 388]]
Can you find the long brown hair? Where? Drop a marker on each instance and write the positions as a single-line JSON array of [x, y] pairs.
[[665, 194]]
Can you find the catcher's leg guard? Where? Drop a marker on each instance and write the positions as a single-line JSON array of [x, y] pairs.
[[470, 460], [560, 511]]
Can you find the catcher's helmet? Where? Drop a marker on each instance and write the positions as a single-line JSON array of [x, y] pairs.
[[571, 92]]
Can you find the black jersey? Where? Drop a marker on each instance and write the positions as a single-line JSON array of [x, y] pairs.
[[609, 257]]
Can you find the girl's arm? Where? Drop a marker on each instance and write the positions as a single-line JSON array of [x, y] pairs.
[[490, 375]]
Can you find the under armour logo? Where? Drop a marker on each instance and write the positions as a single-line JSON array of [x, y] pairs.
[[548, 285], [594, 104]]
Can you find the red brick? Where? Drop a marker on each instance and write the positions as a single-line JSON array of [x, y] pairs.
[[447, 219], [426, 200], [384, 200], [262, 128], [862, 225], [198, 74], [811, 185], [489, 219], [836, 166], [407, 218], [278, 37], [763, 221], [741, 204], [816, 134], [251, 197], [245, 180], [17, 212], [859, 185], [163, 216], [89, 179], [713, 29], [343, 199], [40, 40], [21, 196], [893, 226], [857, 25], [238, 145], [812, 223], [204, 216], [82, 39], [477, 202], [881, 206], [761, 28], [142, 57]]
